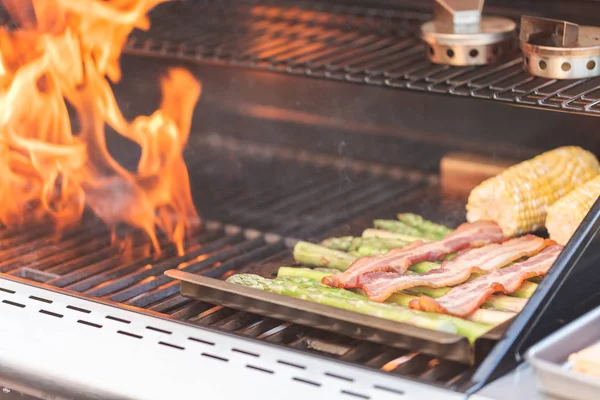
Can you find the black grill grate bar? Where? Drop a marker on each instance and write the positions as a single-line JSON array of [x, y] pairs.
[[148, 269], [142, 292], [260, 327], [264, 195], [300, 204], [92, 250], [67, 243], [115, 263]]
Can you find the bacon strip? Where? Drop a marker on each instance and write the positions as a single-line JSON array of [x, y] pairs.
[[474, 234], [381, 285], [463, 300]]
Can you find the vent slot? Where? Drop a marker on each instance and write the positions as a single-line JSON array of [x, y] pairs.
[[88, 323], [82, 310], [41, 299], [193, 339], [174, 346], [289, 364], [313, 383], [13, 303], [390, 390], [133, 335], [52, 314], [151, 328], [254, 367], [215, 357], [339, 377], [360, 396], [7, 290], [245, 352], [124, 321]]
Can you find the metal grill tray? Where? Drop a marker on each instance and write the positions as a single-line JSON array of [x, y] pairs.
[[444, 345], [549, 359], [394, 334]]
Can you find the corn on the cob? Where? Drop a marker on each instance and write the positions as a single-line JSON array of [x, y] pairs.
[[519, 197], [566, 214]]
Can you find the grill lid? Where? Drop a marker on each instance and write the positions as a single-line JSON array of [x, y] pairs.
[[460, 35], [558, 49]]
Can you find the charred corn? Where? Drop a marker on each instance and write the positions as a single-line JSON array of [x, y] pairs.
[[566, 214], [518, 198]]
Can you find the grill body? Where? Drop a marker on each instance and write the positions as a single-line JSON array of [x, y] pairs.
[[316, 117]]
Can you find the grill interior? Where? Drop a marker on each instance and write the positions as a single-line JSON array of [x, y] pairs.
[[262, 189]]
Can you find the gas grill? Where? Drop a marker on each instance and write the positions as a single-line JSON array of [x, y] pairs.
[[316, 117]]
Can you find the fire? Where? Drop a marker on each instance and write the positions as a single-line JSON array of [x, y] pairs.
[[62, 56]]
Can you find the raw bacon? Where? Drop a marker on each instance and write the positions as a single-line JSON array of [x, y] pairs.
[[463, 300], [381, 285], [474, 234]]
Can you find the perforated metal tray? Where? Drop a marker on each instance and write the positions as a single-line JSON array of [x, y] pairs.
[[549, 359]]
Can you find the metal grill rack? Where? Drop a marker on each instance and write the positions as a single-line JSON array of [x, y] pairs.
[[287, 191], [373, 46], [84, 261]]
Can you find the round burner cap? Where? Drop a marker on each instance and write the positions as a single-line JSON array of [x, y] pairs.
[[557, 49], [460, 35]]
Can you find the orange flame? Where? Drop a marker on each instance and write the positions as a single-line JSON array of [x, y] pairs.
[[65, 52]]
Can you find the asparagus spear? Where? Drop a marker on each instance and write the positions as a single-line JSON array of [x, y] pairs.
[[321, 256], [488, 317], [342, 243], [400, 227], [484, 316], [505, 303], [314, 254], [360, 246], [380, 233], [313, 291], [498, 302], [435, 230], [526, 290]]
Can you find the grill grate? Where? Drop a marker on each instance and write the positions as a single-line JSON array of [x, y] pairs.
[[84, 261], [373, 46], [289, 192]]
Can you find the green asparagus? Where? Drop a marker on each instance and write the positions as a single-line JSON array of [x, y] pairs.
[[526, 290], [360, 246], [380, 233], [505, 303], [314, 254], [436, 231], [321, 256], [308, 289], [400, 227], [497, 302], [342, 243]]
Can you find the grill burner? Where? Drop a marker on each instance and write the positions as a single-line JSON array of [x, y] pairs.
[[459, 35], [560, 49]]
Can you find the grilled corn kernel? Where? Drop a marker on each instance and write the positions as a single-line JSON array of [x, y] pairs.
[[518, 198], [566, 214]]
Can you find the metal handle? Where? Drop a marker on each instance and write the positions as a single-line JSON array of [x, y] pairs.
[[458, 12]]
